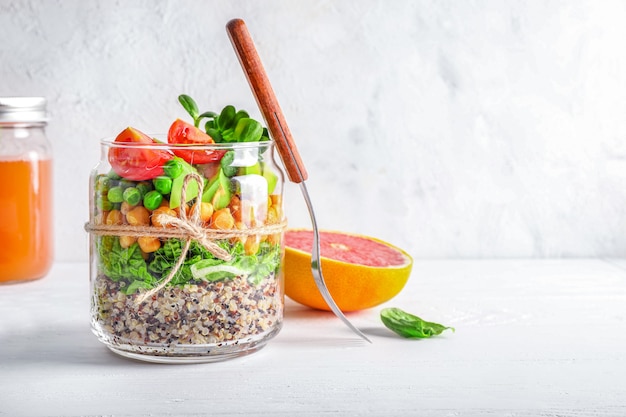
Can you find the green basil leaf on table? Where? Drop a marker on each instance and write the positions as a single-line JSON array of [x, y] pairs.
[[410, 326]]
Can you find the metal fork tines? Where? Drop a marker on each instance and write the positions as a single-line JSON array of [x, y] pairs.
[[316, 267]]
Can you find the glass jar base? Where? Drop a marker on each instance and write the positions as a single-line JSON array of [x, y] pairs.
[[205, 358], [186, 354]]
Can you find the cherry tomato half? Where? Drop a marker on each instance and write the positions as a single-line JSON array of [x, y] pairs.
[[137, 164], [183, 133]]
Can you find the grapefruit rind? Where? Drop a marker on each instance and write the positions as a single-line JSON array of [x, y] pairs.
[[352, 286]]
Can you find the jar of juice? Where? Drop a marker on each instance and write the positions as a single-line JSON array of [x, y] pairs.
[[186, 249], [26, 191]]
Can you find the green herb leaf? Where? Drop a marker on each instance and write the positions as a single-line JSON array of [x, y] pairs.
[[208, 114], [265, 136], [226, 118], [214, 133], [241, 114], [190, 105], [410, 326], [248, 130], [230, 125], [227, 135]]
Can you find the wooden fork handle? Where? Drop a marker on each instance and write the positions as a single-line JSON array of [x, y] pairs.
[[266, 99]]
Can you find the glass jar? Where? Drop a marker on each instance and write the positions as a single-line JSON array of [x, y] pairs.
[[25, 191], [186, 257]]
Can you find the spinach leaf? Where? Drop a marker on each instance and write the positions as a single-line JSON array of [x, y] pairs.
[[267, 261], [410, 326], [128, 264], [167, 255], [135, 285], [254, 267], [119, 263], [200, 264]]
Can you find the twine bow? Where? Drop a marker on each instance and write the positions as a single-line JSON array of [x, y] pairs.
[[189, 229], [193, 231]]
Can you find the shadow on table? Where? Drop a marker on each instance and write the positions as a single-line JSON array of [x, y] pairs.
[[71, 345], [338, 335], [294, 311], [75, 344]]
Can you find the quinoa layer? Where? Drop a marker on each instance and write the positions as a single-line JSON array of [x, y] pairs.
[[193, 314]]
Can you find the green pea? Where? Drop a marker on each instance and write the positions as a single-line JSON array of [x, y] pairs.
[[115, 194], [103, 203], [113, 175], [173, 168], [132, 196], [163, 184], [126, 183], [103, 183], [152, 200], [143, 188]]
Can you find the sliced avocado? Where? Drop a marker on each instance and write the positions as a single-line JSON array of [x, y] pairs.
[[253, 169], [177, 185], [218, 192], [211, 187], [271, 178]]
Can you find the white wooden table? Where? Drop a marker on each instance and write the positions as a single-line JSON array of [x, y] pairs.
[[533, 338]]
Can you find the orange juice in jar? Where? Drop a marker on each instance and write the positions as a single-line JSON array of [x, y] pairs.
[[26, 193]]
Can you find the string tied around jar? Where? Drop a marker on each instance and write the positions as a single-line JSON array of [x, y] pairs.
[[189, 229], [193, 231]]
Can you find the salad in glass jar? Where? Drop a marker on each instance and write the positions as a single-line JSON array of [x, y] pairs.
[[187, 240]]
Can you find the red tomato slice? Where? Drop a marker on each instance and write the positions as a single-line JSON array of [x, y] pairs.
[[183, 133], [135, 163]]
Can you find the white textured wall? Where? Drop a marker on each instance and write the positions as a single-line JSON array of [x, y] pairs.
[[451, 128]]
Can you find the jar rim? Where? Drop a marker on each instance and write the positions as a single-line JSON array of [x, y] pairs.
[[110, 142]]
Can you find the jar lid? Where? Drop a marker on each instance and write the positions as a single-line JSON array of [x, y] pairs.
[[23, 110]]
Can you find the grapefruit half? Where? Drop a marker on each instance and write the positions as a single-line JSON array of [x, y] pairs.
[[360, 271]]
